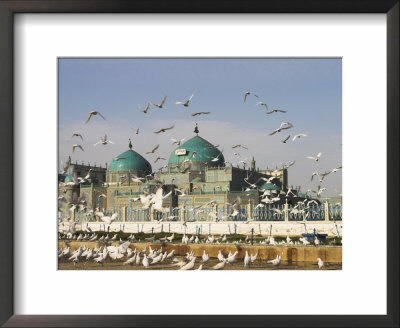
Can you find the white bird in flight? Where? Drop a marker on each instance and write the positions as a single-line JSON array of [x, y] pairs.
[[104, 141], [76, 146], [283, 126], [298, 136], [161, 104], [184, 103], [94, 112], [247, 93], [77, 135], [177, 142], [144, 110], [315, 158]]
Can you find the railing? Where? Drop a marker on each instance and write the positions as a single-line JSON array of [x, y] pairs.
[[219, 213]]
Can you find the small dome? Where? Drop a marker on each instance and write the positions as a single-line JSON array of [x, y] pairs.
[[130, 161], [269, 186], [68, 178], [198, 150]]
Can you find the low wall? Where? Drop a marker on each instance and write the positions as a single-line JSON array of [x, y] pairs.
[[264, 228], [289, 253]]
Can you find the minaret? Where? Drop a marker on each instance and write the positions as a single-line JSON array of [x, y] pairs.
[[253, 164], [196, 130]]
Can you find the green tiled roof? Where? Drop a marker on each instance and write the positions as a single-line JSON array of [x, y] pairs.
[[130, 161], [205, 152]]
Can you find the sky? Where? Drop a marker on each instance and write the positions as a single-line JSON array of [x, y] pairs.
[[309, 90]]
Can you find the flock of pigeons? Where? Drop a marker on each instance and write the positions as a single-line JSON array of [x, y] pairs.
[[288, 125], [148, 258], [156, 200]]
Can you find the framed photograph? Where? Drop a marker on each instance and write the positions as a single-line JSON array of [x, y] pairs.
[[253, 146]]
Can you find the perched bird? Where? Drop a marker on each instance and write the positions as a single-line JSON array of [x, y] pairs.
[[315, 158], [200, 113], [205, 257], [184, 103], [321, 263], [220, 265], [189, 265], [77, 135], [76, 146], [154, 149], [298, 136], [247, 93], [145, 262], [161, 104], [276, 261], [247, 260], [94, 112], [104, 141], [164, 129]]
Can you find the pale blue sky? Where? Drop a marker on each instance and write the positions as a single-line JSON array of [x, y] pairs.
[[310, 90]]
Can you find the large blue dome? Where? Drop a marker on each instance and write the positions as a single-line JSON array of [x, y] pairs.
[[130, 161], [204, 152]]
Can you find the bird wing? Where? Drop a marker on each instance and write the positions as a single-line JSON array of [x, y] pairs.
[[163, 101], [102, 116], [190, 98], [275, 131], [90, 115]]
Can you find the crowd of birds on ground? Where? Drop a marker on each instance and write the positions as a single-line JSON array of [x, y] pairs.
[[155, 201], [149, 257]]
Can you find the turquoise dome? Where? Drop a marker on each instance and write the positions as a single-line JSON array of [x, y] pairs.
[[269, 186], [205, 152], [130, 161], [68, 178]]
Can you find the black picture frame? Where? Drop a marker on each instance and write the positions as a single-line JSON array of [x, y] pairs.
[[10, 7]]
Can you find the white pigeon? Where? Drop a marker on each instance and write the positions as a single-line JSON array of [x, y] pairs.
[[220, 256], [185, 103], [315, 158], [189, 265], [321, 263], [232, 258], [145, 261], [205, 257], [220, 265], [247, 260], [276, 261], [298, 136], [253, 257]]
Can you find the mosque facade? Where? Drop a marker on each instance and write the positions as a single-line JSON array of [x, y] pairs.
[[197, 168]]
